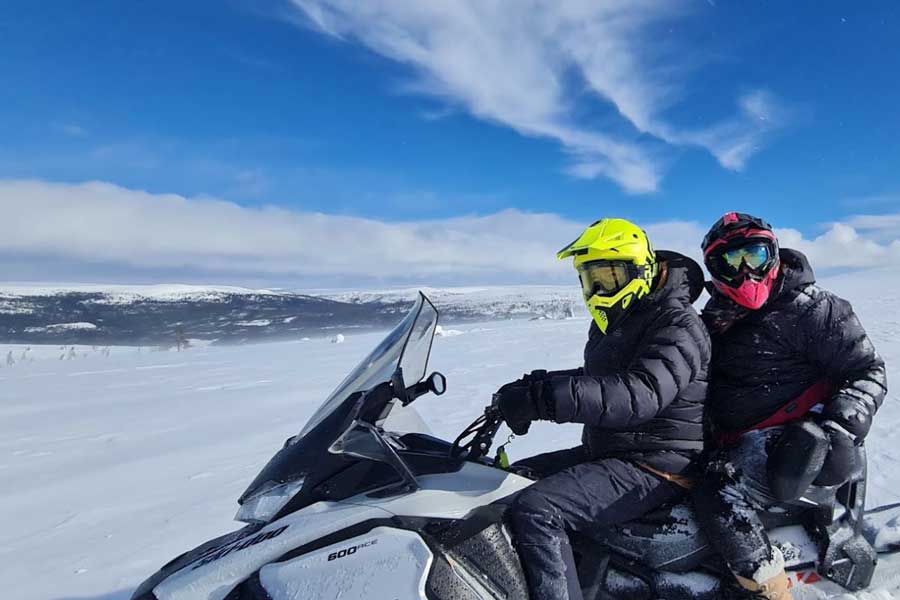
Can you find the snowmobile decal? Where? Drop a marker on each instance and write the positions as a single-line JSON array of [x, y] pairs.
[[214, 554], [401, 553], [351, 550], [229, 569]]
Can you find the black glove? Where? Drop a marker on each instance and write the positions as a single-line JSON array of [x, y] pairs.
[[529, 378], [840, 464], [850, 414], [520, 404], [543, 375], [796, 459]]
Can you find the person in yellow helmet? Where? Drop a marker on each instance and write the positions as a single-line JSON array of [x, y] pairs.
[[639, 394]]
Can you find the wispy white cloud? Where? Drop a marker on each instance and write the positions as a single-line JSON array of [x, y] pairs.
[[522, 64], [89, 224], [882, 225], [844, 246], [735, 141]]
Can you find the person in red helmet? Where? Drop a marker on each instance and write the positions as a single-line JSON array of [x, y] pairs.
[[742, 255], [795, 385]]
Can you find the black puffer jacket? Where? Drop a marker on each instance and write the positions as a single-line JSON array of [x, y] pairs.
[[641, 392], [804, 335]]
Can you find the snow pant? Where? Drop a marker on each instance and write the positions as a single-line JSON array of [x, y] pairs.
[[729, 495], [575, 496]]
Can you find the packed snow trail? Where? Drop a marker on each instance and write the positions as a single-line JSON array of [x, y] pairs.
[[112, 465]]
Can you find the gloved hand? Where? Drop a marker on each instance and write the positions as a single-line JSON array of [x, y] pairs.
[[796, 459], [849, 414], [529, 378], [543, 374], [840, 463], [518, 405]]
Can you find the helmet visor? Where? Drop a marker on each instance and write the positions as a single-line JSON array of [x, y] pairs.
[[604, 278], [755, 257]]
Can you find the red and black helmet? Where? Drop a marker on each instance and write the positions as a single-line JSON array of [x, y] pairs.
[[741, 254]]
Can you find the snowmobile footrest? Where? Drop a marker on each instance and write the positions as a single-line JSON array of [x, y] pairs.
[[850, 562]]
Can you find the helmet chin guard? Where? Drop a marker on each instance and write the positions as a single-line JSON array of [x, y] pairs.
[[750, 293], [608, 313]]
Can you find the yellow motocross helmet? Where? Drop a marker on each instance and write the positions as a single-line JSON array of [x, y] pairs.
[[616, 267]]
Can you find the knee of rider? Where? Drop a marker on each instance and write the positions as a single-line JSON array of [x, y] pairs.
[[532, 504]]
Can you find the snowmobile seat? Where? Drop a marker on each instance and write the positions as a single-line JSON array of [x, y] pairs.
[[669, 538]]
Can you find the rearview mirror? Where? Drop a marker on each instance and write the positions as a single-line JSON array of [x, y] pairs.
[[437, 383]]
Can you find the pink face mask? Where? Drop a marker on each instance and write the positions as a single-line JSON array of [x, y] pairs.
[[751, 293]]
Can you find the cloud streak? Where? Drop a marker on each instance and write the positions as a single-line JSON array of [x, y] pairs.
[[90, 224], [103, 223], [863, 242], [523, 65]]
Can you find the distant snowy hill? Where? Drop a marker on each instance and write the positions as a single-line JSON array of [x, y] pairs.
[[154, 315], [478, 303], [124, 294], [159, 315]]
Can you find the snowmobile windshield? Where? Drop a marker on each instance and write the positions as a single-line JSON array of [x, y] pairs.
[[400, 358], [407, 347]]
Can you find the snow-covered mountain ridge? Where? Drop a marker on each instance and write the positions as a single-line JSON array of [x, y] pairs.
[[498, 302], [124, 294], [136, 315]]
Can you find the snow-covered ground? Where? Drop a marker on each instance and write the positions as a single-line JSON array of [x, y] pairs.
[[110, 465]]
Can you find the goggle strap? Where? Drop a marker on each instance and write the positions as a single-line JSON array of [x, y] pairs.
[[648, 272]]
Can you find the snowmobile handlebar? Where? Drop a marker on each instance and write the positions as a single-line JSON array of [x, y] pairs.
[[476, 440]]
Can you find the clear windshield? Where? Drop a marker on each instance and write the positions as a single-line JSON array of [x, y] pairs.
[[407, 347], [403, 352], [414, 361]]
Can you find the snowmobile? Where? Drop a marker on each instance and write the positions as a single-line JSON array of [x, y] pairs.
[[358, 506]]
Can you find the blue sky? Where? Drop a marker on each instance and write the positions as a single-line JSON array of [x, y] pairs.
[[403, 113]]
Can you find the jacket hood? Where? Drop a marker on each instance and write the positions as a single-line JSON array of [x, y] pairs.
[[685, 277], [797, 271]]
